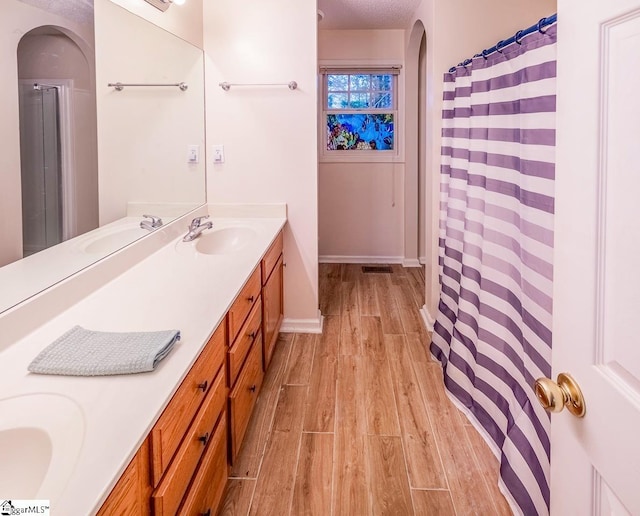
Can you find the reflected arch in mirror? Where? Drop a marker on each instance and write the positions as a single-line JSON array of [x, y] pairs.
[[58, 149]]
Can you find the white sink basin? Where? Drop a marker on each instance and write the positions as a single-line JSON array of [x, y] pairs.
[[40, 440], [111, 239], [224, 240]]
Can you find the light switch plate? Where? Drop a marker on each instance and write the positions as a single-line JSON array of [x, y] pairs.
[[218, 153], [193, 154]]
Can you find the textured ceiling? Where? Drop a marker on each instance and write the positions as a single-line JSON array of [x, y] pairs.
[[366, 14], [77, 10]]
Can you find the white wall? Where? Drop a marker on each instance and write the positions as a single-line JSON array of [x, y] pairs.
[[16, 19], [361, 205], [185, 21], [144, 133], [456, 30], [269, 133]]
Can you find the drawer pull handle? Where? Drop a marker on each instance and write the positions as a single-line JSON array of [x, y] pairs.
[[203, 386], [253, 334], [204, 438], [250, 299], [208, 513], [252, 388]]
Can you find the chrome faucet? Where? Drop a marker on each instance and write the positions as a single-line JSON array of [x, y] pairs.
[[196, 227], [152, 224]]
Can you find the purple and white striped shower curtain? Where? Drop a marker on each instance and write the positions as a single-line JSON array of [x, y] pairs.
[[493, 327]]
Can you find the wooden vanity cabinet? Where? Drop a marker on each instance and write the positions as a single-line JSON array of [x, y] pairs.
[[272, 297], [182, 467]]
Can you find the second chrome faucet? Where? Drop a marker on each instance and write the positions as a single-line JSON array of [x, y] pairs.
[[196, 227], [152, 224]]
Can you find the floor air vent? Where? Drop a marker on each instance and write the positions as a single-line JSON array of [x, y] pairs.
[[386, 269]]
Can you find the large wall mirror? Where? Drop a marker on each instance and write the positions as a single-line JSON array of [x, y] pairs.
[[82, 162]]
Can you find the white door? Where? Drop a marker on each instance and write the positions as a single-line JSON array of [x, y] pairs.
[[595, 461]]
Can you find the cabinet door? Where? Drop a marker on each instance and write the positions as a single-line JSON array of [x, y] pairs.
[[273, 309], [271, 257], [130, 496]]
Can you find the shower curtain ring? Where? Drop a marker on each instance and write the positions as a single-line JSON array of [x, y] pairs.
[[518, 37], [466, 62], [540, 24], [498, 45], [485, 53]]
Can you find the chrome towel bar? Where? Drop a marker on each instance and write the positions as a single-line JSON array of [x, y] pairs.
[[226, 86], [119, 86]]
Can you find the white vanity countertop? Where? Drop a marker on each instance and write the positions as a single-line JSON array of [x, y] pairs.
[[174, 288]]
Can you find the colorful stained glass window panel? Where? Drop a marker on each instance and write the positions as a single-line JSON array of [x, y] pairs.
[[360, 131]]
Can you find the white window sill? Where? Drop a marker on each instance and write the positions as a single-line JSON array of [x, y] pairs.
[[352, 157]]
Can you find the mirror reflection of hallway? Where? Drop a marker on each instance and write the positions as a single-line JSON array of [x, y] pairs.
[[58, 156]]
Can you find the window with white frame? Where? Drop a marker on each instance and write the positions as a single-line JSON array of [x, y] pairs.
[[360, 111]]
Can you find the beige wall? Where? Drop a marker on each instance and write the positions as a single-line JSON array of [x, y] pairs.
[[361, 209], [16, 19], [269, 133], [456, 30], [144, 133], [361, 205]]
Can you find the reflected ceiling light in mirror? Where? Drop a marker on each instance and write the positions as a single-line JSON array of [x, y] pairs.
[[163, 5]]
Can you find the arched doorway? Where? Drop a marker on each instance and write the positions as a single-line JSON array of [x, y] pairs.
[[55, 87], [415, 180]]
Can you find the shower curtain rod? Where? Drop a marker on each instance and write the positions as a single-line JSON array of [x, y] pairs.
[[516, 38]]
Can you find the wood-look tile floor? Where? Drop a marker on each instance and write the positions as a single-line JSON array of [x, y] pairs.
[[355, 421]]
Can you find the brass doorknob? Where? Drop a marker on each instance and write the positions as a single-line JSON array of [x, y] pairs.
[[565, 393]]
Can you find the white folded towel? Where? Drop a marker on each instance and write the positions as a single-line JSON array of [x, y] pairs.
[[81, 352]]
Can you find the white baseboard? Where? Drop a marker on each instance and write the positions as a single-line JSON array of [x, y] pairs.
[[427, 318], [302, 325], [410, 262], [330, 258]]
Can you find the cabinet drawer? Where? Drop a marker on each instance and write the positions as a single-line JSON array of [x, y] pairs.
[[168, 496], [174, 421], [271, 257], [240, 348], [243, 303], [243, 396], [210, 480]]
